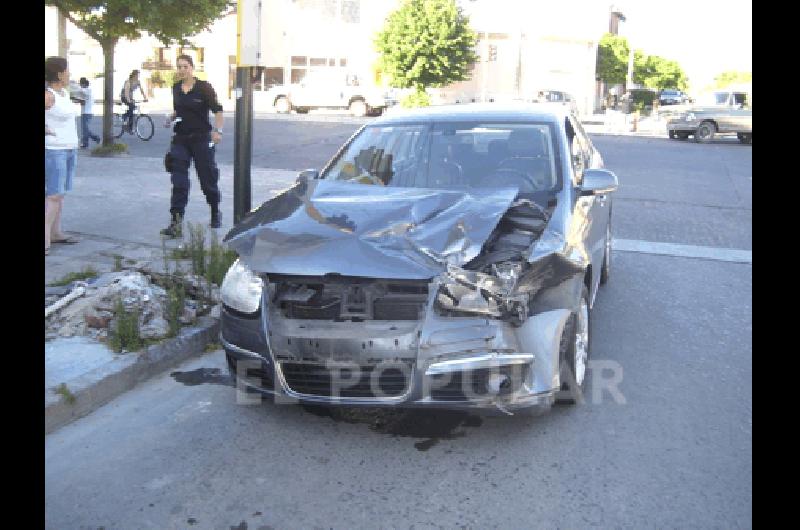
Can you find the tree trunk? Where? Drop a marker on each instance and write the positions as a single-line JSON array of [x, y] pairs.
[[108, 91]]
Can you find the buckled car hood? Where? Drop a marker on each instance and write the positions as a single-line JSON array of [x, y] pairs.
[[329, 227]]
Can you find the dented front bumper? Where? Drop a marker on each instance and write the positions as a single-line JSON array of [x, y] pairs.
[[443, 362]]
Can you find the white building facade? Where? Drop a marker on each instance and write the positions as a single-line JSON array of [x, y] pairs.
[[536, 46]]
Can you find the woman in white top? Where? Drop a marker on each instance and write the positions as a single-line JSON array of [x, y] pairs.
[[60, 148]]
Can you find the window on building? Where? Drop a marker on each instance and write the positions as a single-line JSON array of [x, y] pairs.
[[342, 62], [299, 60], [332, 62], [273, 76], [298, 74], [319, 62]]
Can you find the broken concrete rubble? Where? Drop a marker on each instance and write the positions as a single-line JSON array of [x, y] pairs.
[[92, 314]]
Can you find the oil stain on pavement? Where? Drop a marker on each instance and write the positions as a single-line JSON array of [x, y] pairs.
[[431, 425]]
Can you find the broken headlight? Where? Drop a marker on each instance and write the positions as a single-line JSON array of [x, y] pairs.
[[470, 293], [241, 289]]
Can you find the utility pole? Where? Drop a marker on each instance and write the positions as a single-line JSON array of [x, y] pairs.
[[248, 55], [243, 143]]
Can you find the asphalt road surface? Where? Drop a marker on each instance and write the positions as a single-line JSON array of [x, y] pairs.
[[671, 449]]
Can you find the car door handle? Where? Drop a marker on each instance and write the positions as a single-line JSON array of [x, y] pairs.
[[601, 199]]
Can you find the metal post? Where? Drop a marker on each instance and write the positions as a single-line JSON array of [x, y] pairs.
[[243, 143], [484, 73]]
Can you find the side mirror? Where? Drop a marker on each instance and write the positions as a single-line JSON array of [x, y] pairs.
[[306, 175], [598, 182]]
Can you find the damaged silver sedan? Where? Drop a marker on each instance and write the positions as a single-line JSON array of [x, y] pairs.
[[446, 258]]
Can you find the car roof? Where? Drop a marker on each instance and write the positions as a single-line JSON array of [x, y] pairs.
[[516, 112]]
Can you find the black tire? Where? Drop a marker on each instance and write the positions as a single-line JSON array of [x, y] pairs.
[[683, 136], [745, 138], [573, 382], [117, 126], [144, 128], [705, 132], [605, 271], [302, 110], [673, 135], [282, 105]]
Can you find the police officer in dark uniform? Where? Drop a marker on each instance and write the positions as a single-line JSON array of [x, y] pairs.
[[196, 140]]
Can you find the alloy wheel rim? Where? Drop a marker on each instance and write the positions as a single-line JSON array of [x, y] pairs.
[[581, 342]]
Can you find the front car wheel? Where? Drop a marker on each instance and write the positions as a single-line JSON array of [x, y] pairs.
[[574, 359], [705, 133]]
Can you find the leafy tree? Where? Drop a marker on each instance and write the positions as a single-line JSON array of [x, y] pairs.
[[612, 59], [427, 43], [658, 73], [725, 79], [110, 20]]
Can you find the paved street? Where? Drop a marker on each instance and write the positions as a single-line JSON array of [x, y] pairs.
[[179, 452]]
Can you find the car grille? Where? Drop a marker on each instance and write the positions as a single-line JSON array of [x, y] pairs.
[[356, 299], [317, 379]]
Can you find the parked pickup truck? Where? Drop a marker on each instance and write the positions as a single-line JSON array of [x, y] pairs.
[[732, 115], [331, 90]]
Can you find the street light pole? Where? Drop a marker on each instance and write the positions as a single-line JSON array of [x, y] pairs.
[[243, 143]]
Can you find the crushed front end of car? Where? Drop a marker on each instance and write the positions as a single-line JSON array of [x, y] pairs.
[[365, 295]]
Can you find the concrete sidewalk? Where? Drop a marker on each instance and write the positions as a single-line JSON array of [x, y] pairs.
[[116, 209]]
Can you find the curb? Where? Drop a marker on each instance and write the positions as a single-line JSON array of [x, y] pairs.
[[101, 385]]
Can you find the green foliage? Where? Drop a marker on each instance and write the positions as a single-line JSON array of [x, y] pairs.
[[418, 98], [176, 300], [117, 263], [110, 150], [613, 54], [726, 79], [197, 248], [126, 335], [427, 43], [658, 73], [84, 274], [167, 20], [65, 393], [220, 260]]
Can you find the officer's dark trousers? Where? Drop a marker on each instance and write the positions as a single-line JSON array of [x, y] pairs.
[[187, 148]]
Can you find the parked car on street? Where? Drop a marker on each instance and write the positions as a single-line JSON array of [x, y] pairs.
[[556, 96], [672, 97], [705, 123], [446, 257], [329, 89]]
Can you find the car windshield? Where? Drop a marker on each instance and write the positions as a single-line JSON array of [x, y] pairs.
[[451, 155], [670, 93]]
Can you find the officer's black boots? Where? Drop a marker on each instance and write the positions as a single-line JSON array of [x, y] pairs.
[[175, 228], [216, 217]]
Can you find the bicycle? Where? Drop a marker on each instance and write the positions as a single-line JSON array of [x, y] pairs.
[[140, 124]]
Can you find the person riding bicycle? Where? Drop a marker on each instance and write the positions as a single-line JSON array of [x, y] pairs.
[[127, 97]]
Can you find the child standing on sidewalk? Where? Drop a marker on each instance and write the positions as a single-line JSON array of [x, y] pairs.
[[86, 114]]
